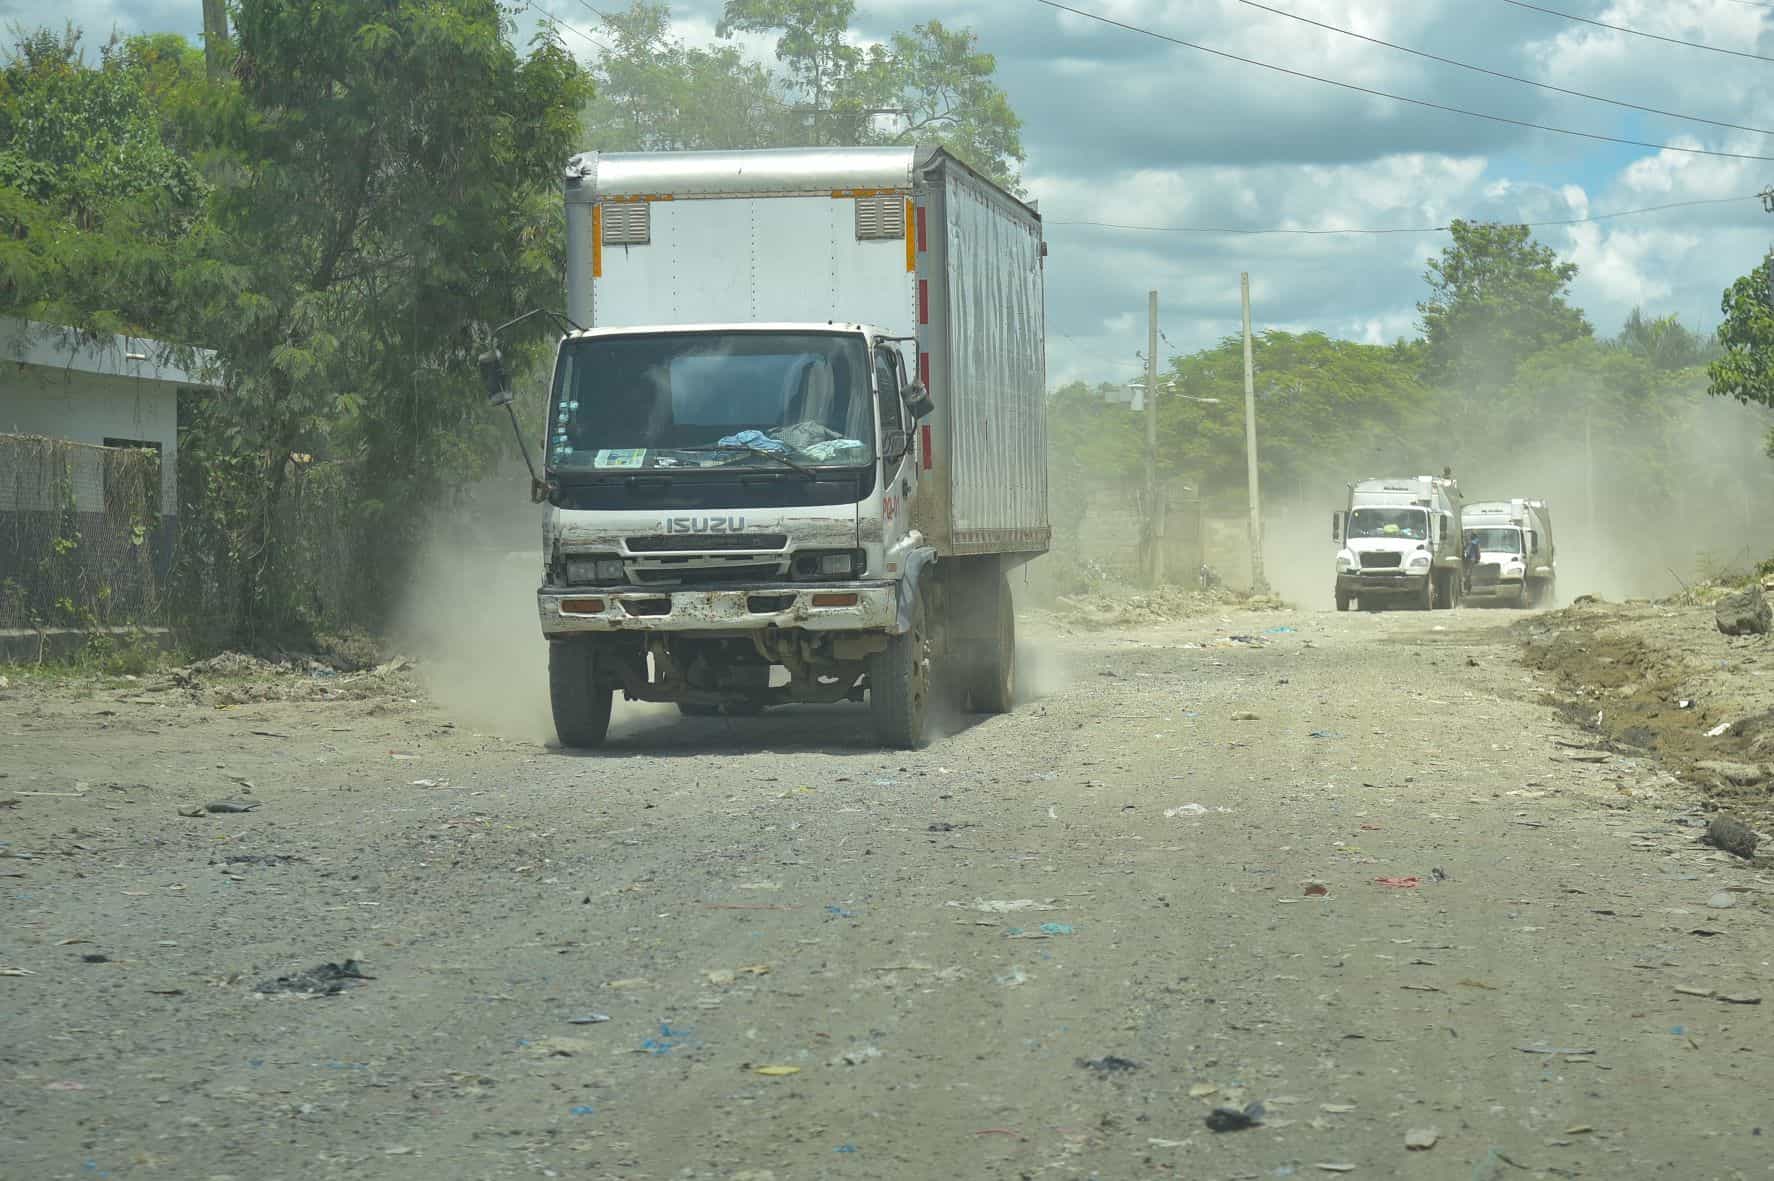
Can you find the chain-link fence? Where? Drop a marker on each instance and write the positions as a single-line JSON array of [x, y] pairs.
[[82, 539], [248, 558]]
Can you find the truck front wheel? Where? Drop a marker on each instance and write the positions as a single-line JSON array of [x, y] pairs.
[[581, 703], [1343, 601], [899, 684], [1426, 595]]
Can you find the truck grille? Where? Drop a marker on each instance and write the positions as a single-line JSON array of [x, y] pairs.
[[652, 575], [691, 542], [1378, 560]]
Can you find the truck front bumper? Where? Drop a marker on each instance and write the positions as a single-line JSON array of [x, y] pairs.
[[851, 606], [1495, 588], [1356, 583]]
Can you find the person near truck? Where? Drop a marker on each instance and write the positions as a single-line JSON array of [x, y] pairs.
[[1469, 559]]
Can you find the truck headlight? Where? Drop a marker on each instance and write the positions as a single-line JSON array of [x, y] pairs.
[[1345, 562], [595, 570], [1419, 561], [828, 564]]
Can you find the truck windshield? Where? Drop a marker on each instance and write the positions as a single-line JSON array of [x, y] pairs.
[[1411, 523], [700, 399], [1496, 541]]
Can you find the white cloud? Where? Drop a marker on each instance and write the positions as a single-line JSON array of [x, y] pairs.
[[1126, 128]]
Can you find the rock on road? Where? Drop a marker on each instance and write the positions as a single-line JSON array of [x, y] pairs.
[[1048, 946]]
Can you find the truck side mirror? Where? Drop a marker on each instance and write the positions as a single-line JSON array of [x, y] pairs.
[[492, 372], [917, 401], [1336, 526], [1533, 542]]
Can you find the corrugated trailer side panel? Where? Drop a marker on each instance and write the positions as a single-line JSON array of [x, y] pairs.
[[991, 383]]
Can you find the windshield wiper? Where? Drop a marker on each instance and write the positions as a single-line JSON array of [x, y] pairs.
[[755, 450]]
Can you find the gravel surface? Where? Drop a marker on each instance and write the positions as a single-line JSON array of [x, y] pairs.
[[1351, 887]]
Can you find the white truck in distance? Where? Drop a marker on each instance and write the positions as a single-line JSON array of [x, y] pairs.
[[1517, 563], [800, 442], [1400, 543]]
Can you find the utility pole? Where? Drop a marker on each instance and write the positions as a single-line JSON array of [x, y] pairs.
[[1258, 584], [1154, 499]]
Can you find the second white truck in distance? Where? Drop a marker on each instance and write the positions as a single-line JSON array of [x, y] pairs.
[[1517, 564]]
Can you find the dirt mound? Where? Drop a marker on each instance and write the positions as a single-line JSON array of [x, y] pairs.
[[1658, 678]]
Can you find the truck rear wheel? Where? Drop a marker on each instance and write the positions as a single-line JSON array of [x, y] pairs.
[[1447, 589], [992, 688], [581, 703], [899, 684]]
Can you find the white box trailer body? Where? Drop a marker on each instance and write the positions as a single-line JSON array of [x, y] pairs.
[[1400, 540], [1517, 560], [907, 240], [742, 467]]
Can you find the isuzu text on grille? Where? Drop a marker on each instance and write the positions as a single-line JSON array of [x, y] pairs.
[[704, 525]]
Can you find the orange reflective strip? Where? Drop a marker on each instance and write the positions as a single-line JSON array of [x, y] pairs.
[[911, 242], [597, 241]]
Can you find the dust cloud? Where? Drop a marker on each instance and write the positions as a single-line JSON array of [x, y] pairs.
[[1627, 523], [469, 620]]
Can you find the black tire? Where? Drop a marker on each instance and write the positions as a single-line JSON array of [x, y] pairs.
[[993, 687], [1343, 601], [694, 709], [580, 703], [899, 684], [1447, 590], [1425, 598]]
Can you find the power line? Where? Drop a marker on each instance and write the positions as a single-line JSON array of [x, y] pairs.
[[1563, 221], [557, 23], [1418, 102], [1498, 74], [1639, 32], [1098, 356]]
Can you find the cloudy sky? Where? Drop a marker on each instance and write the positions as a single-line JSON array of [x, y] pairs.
[[1125, 128]]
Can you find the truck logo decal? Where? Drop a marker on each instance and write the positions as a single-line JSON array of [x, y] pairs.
[[703, 525]]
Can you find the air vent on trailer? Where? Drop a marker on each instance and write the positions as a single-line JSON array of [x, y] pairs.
[[627, 224], [879, 218]]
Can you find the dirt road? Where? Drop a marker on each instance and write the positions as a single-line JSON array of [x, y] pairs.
[[1345, 867]]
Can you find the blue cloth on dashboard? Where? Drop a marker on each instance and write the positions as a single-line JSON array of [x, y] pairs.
[[754, 441]]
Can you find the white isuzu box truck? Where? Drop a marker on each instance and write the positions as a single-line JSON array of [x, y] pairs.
[[796, 440]]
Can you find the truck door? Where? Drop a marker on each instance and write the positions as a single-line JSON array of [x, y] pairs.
[[899, 460]]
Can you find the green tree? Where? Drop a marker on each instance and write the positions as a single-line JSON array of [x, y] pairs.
[[1664, 342], [96, 197], [1746, 370], [942, 88], [654, 93], [930, 85], [813, 46], [1495, 297], [1322, 405], [394, 169]]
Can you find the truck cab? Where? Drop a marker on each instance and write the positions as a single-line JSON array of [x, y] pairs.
[[1517, 565], [1400, 544], [731, 481]]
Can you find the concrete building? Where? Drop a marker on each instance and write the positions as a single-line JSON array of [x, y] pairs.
[[88, 397], [117, 391]]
